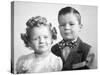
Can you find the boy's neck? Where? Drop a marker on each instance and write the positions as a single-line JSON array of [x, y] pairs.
[[71, 40]]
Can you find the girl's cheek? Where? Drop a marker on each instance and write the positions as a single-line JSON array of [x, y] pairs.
[[49, 41]]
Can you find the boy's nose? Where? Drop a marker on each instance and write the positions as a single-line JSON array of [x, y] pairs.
[[67, 26]]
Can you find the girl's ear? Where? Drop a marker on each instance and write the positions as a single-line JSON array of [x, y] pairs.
[[52, 42], [30, 45]]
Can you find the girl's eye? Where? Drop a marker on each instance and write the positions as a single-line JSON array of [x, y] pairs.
[[45, 37], [62, 25]]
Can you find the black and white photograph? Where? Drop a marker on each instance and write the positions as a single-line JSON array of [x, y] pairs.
[[53, 37]]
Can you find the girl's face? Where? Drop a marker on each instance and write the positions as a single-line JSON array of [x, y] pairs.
[[41, 39], [69, 26]]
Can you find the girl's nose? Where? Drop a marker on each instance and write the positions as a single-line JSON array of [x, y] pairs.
[[67, 26], [41, 40]]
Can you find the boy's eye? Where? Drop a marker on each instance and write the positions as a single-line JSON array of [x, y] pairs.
[[35, 39], [71, 24]]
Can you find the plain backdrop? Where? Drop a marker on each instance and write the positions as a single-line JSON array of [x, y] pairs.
[[89, 29]]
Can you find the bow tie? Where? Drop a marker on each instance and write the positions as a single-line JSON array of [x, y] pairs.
[[64, 44]]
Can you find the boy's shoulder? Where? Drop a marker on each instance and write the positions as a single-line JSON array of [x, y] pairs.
[[84, 45], [90, 54], [56, 45], [56, 50]]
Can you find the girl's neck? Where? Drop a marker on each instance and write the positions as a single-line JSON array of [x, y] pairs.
[[42, 55]]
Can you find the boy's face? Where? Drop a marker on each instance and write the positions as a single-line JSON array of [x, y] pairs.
[[69, 26], [41, 39]]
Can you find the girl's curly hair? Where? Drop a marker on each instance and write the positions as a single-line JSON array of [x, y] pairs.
[[37, 21]]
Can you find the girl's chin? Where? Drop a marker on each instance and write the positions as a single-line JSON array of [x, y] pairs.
[[42, 50]]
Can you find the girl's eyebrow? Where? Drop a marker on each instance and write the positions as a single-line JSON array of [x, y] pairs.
[[63, 24]]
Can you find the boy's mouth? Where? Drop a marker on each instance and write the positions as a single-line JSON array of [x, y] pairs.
[[42, 46], [67, 33]]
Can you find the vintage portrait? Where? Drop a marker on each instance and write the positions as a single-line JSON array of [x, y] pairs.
[[50, 37]]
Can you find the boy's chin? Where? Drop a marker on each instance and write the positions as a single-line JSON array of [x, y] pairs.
[[68, 38]]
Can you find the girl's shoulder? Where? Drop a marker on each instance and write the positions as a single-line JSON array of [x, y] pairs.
[[23, 62], [26, 57], [55, 57], [56, 61]]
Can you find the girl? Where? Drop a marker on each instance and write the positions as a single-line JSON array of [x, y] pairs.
[[39, 37]]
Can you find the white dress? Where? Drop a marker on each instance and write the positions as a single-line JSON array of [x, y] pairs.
[[30, 64]]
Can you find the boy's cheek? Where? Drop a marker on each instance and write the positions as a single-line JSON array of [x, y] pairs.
[[62, 31], [76, 30]]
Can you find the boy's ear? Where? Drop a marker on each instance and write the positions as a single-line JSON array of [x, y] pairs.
[[81, 25]]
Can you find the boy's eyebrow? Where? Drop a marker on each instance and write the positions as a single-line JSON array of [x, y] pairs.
[[65, 23], [71, 22]]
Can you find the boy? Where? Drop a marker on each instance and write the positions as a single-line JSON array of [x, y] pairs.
[[74, 53]]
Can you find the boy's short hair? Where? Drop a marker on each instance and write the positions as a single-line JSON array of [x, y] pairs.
[[36, 21], [67, 10]]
